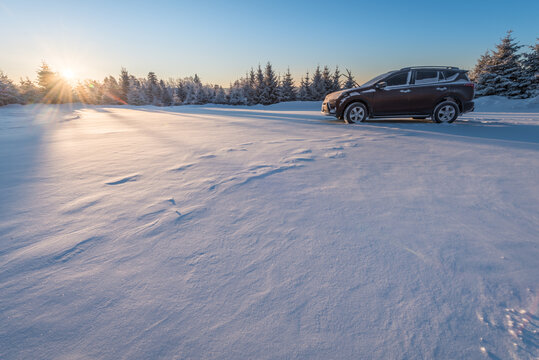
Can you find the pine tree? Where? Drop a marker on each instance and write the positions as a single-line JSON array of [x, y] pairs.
[[220, 96], [111, 91], [327, 81], [504, 74], [202, 94], [166, 97], [29, 92], [304, 92], [136, 94], [237, 95], [248, 85], [288, 91], [46, 78], [8, 92], [336, 84], [350, 82], [249, 88], [481, 67], [531, 70], [179, 93], [259, 85], [89, 92], [317, 86], [124, 85], [152, 89], [269, 94], [54, 89], [191, 91]]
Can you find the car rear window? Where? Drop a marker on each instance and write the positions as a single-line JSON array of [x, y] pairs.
[[426, 76], [449, 75]]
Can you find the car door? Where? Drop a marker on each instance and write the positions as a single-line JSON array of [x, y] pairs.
[[425, 90], [393, 99]]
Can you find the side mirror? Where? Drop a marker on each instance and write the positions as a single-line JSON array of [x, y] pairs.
[[381, 85]]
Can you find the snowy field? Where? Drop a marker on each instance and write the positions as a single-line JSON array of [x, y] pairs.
[[217, 232]]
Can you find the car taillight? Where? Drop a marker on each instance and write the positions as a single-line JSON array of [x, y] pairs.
[[470, 84]]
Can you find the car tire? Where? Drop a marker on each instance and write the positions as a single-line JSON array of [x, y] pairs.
[[355, 113], [445, 112]]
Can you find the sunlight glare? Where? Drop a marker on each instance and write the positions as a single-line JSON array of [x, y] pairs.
[[68, 74]]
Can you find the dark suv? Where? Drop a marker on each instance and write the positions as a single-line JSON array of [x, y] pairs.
[[439, 92]]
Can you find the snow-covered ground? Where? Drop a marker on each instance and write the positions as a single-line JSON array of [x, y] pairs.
[[219, 232]]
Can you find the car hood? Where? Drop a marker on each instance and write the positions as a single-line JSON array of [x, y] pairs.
[[347, 92]]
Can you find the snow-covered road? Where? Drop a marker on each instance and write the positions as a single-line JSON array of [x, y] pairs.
[[222, 232]]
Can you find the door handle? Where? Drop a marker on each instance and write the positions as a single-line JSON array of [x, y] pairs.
[[405, 91], [441, 89]]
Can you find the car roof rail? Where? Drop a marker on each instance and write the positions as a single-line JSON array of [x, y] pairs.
[[430, 67]]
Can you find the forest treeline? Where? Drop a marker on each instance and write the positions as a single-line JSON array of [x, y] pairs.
[[506, 71], [260, 86]]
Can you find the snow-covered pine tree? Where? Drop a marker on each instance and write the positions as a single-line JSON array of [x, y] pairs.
[[249, 87], [288, 91], [136, 94], [350, 82], [29, 92], [124, 84], [111, 91], [270, 92], [150, 87], [53, 88], [504, 74], [220, 95], [327, 80], [166, 96], [237, 94], [481, 67], [8, 92], [531, 70], [179, 93], [336, 83], [190, 89], [259, 85], [304, 92], [46, 79], [81, 92], [89, 92], [202, 95], [317, 86]]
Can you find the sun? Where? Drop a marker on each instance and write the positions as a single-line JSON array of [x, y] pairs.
[[68, 74]]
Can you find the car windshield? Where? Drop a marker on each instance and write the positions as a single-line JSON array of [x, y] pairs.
[[376, 79]]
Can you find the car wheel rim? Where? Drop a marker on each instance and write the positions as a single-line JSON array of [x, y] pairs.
[[446, 113], [356, 114]]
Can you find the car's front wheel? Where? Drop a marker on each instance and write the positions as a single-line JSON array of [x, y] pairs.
[[355, 113], [445, 112]]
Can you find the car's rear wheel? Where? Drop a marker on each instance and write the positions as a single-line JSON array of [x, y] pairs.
[[355, 113], [445, 112]]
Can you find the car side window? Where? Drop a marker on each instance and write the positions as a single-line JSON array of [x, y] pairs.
[[426, 77], [397, 79]]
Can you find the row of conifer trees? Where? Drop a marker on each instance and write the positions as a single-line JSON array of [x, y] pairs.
[[260, 86], [505, 71], [508, 71]]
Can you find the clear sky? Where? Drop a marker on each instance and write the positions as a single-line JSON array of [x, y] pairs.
[[220, 40]]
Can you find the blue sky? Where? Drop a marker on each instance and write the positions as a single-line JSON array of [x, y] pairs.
[[220, 40]]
